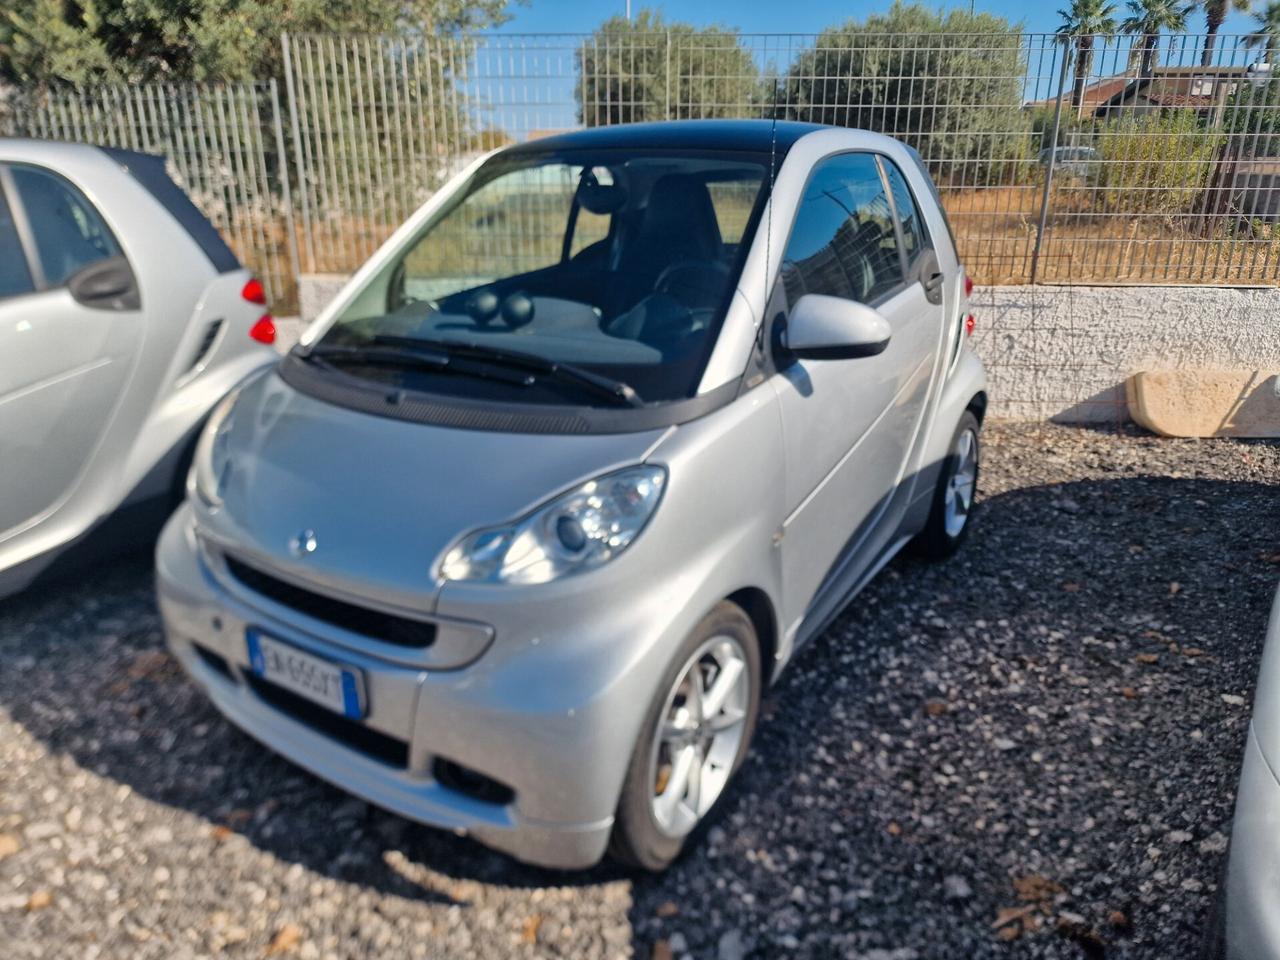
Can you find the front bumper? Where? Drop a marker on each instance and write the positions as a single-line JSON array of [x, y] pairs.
[[1253, 872], [562, 747]]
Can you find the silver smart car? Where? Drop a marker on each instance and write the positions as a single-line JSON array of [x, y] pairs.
[[124, 319], [513, 540]]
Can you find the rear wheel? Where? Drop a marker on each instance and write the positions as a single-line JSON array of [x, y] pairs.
[[695, 736], [948, 523]]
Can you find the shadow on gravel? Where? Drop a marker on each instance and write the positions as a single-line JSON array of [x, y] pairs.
[[960, 726]]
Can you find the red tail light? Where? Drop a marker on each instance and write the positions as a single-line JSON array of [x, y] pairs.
[[968, 285], [264, 331], [969, 323], [254, 292]]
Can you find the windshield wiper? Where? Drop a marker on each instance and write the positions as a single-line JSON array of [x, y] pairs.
[[617, 390], [391, 355]]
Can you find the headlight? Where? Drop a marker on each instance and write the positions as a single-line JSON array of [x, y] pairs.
[[209, 465], [579, 530]]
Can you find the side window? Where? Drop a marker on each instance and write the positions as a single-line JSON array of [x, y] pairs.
[[15, 277], [843, 243], [914, 238], [69, 232]]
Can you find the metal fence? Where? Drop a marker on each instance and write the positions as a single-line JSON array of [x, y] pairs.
[[1102, 160], [1097, 160]]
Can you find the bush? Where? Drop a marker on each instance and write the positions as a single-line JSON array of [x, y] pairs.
[[648, 69], [1157, 162], [950, 84]]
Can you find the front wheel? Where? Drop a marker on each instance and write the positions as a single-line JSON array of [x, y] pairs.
[[695, 736], [952, 506]]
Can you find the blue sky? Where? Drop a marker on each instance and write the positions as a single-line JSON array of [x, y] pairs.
[[795, 16]]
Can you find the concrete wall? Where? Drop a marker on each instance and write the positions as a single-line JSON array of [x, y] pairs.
[[1064, 353]]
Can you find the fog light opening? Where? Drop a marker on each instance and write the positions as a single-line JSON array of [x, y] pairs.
[[471, 783]]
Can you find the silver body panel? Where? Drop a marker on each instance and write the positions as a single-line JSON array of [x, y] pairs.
[[96, 405], [1253, 872], [795, 492]]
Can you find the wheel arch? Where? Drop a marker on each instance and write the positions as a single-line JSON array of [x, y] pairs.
[[755, 603], [978, 406]]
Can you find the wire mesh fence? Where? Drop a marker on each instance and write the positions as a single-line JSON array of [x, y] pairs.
[[222, 144], [1126, 159], [1089, 159]]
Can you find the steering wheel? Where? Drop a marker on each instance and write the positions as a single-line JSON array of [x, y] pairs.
[[697, 284]]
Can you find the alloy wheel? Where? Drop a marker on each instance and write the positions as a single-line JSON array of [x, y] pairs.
[[958, 499], [700, 733]]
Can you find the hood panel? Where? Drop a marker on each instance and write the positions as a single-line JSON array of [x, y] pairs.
[[384, 497]]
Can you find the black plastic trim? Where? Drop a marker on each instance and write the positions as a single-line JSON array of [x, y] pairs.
[[343, 390], [353, 734], [375, 624]]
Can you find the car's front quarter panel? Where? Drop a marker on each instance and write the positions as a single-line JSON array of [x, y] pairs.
[[585, 654]]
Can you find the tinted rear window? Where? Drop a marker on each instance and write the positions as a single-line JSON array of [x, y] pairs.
[[149, 171]]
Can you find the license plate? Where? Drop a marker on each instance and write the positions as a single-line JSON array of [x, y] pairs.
[[340, 689]]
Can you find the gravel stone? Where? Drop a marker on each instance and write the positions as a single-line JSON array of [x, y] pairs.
[[1085, 622]]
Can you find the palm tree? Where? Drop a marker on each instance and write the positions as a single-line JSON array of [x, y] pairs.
[[1147, 18], [1215, 14], [1268, 35], [1082, 23]]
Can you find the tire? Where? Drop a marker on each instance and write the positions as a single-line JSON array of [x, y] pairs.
[[640, 838], [941, 536]]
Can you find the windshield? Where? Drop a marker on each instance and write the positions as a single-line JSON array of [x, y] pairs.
[[619, 264]]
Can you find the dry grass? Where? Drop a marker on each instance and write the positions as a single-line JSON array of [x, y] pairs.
[[1087, 243]]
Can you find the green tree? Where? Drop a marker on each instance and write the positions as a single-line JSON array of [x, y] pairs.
[[1082, 23], [1267, 35], [949, 83], [648, 69], [1147, 18], [83, 41], [1215, 15]]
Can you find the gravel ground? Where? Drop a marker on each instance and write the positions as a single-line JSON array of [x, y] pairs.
[[1046, 729]]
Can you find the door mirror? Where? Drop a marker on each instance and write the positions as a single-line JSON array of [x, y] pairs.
[[106, 285], [833, 328]]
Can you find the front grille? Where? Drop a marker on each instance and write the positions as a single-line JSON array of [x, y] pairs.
[[387, 627], [389, 750]]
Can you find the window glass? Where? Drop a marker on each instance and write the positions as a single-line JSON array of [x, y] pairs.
[[15, 278], [639, 298], [913, 232], [733, 201], [69, 233], [843, 243], [512, 225]]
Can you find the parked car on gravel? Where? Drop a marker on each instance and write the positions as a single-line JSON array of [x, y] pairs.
[[618, 421], [124, 319], [1250, 918]]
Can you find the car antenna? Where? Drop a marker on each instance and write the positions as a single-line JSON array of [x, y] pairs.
[[768, 227]]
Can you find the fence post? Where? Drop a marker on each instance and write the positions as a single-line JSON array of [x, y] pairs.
[[1053, 159], [667, 74], [297, 150], [285, 191]]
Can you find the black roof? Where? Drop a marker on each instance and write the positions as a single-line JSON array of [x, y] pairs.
[[753, 136]]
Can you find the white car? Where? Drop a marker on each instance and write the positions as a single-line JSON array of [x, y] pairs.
[[124, 318]]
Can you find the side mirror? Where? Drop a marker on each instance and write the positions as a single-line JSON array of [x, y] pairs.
[[833, 328], [106, 285]]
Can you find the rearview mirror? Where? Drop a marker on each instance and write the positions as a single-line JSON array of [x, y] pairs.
[[833, 328], [106, 285]]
